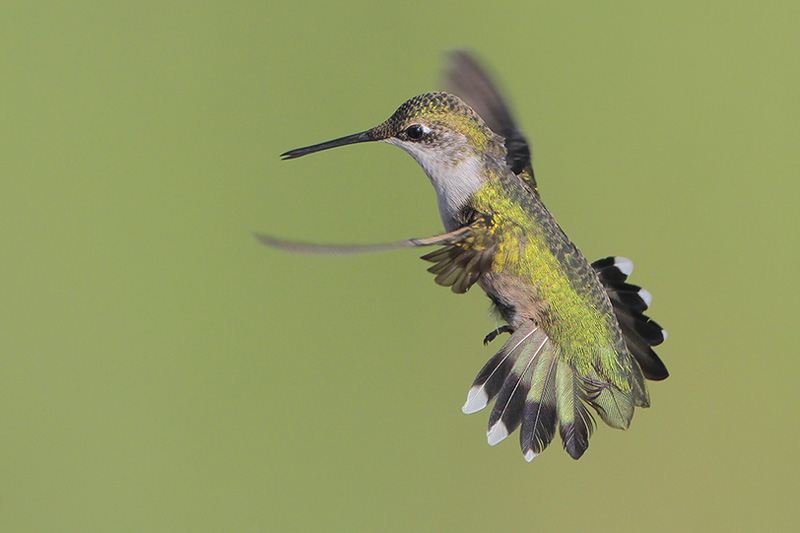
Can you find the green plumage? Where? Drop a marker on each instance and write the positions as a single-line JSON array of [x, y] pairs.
[[538, 277], [567, 298]]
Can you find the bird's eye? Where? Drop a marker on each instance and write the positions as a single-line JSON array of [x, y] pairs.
[[414, 132]]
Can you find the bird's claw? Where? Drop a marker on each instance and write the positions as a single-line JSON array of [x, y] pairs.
[[495, 332]]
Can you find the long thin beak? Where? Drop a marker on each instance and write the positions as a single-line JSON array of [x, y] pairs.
[[364, 136]]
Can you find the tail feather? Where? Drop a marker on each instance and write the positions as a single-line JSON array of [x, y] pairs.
[[539, 417], [508, 409], [575, 423], [614, 406], [629, 296], [613, 269], [629, 301], [644, 326], [650, 363], [641, 398], [492, 376]]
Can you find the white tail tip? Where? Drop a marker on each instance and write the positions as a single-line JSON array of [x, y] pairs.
[[624, 265], [530, 456], [646, 297], [497, 433], [476, 400]]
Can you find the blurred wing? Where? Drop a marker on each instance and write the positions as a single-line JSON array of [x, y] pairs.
[[337, 249], [467, 79], [467, 253]]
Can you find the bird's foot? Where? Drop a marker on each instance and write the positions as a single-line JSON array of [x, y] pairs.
[[495, 332]]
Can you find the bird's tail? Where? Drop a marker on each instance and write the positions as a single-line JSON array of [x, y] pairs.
[[641, 332], [535, 388]]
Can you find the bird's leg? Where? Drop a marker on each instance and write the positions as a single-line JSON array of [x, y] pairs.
[[495, 332]]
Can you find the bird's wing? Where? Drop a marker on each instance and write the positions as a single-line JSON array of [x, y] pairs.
[[347, 249], [467, 79], [467, 252], [460, 263]]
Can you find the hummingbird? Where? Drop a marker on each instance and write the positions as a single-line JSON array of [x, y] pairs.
[[579, 340]]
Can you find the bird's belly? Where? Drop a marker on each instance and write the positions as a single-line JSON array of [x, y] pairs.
[[574, 320], [516, 301]]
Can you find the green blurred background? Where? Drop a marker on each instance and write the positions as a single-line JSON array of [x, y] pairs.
[[160, 371]]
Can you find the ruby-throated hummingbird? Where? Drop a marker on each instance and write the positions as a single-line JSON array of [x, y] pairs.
[[578, 335]]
